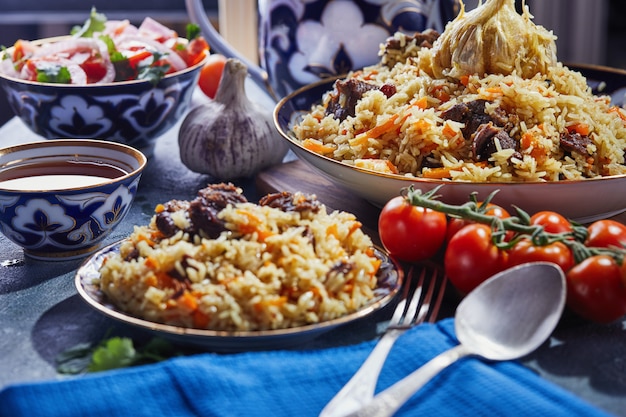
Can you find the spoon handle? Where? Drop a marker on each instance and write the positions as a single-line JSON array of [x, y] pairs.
[[390, 400]]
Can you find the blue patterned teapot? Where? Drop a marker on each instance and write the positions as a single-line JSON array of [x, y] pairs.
[[302, 41]]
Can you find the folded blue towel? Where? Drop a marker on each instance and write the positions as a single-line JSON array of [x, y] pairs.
[[296, 383]]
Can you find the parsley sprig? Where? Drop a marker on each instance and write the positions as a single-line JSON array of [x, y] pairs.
[[113, 353]]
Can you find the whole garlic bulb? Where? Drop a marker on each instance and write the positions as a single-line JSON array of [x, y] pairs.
[[494, 39], [230, 137]]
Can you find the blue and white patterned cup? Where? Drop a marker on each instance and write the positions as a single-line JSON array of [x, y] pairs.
[[302, 41]]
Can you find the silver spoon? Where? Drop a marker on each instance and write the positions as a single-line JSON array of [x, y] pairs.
[[506, 317]]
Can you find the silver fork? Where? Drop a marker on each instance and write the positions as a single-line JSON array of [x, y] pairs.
[[423, 305]]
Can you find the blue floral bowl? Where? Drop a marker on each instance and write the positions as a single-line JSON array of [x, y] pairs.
[[131, 112], [60, 198]]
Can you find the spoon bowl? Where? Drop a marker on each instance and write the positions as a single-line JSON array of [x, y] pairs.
[[513, 313], [506, 317]]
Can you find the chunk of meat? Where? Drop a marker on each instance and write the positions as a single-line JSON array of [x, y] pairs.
[[163, 219], [484, 141], [425, 39], [575, 142], [202, 211], [471, 114], [287, 202], [347, 94]]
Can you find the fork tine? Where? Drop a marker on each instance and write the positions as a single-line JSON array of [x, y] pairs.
[[398, 313], [434, 311], [416, 299]]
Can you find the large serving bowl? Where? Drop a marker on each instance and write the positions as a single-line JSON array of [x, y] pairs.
[[60, 198], [130, 112], [583, 200]]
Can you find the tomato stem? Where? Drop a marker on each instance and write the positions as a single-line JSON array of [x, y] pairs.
[[519, 224]]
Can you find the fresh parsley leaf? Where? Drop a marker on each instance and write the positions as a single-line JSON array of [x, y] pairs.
[[153, 72], [75, 360], [95, 23], [116, 352], [54, 74], [193, 31], [108, 41], [113, 353]]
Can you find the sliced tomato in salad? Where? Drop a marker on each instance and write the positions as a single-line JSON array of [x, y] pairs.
[[105, 51]]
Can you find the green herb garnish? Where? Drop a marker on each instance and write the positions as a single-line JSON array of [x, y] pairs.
[[54, 74], [112, 353], [95, 23], [193, 31]]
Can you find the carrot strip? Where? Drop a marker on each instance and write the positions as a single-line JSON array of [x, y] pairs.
[[317, 146], [580, 128], [188, 301], [332, 231], [422, 126], [422, 103], [151, 263], [375, 132], [379, 165], [619, 111], [436, 173], [448, 131]]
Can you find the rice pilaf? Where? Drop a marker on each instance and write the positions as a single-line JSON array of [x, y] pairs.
[[559, 129], [282, 263]]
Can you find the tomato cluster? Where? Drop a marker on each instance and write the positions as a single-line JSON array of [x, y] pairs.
[[594, 266]]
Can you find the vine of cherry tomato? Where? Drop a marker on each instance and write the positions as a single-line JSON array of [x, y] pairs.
[[596, 285]]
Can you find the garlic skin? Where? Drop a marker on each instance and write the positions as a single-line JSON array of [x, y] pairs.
[[494, 39], [230, 137]]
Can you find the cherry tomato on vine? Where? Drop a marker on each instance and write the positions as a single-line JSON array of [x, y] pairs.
[[525, 251], [551, 221], [211, 74], [411, 233], [605, 234], [596, 289], [471, 257], [456, 224]]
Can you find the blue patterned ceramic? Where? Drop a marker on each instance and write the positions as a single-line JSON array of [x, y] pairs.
[[66, 222], [130, 112], [302, 41]]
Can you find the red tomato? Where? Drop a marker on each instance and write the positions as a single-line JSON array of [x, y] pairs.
[[195, 51], [471, 257], [411, 233], [596, 289], [551, 221], [605, 234], [557, 252], [94, 68], [211, 74], [457, 224]]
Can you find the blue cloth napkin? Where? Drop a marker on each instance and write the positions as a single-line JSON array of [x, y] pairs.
[[296, 383]]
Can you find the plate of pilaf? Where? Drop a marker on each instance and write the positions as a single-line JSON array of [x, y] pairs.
[[542, 134], [229, 275]]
